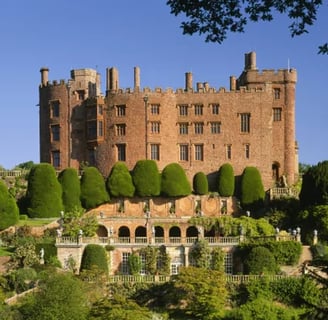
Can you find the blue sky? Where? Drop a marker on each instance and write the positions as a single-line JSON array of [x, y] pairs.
[[65, 35]]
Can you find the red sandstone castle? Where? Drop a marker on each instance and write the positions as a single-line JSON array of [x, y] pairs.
[[252, 124]]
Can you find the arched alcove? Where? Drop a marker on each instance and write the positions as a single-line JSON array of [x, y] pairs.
[[175, 232], [102, 231], [123, 232], [192, 232]]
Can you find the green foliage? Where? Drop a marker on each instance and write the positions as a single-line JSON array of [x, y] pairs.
[[93, 188], [25, 255], [285, 252], [26, 165], [164, 261], [71, 188], [135, 264], [60, 296], [146, 178], [252, 190], [9, 214], [216, 19], [226, 180], [200, 254], [118, 307], [174, 181], [76, 220], [151, 254], [217, 259], [200, 183], [260, 261], [94, 255], [315, 185], [200, 293], [22, 279], [119, 182], [44, 194]]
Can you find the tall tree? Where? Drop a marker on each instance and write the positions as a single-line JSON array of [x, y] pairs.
[[71, 189], [174, 181], [215, 19], [314, 189], [226, 180], [146, 178], [9, 213], [93, 188], [44, 194], [119, 182], [200, 183]]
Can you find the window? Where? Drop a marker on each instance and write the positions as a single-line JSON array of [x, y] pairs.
[[100, 128], [142, 256], [80, 94], [155, 127], [55, 109], [120, 129], [199, 127], [245, 122], [91, 157], [154, 151], [120, 110], [228, 151], [175, 268], [215, 127], [277, 114], [183, 128], [215, 108], [92, 112], [92, 129], [247, 151], [55, 132], [100, 110], [121, 152], [198, 109], [154, 109], [125, 262], [276, 93], [184, 152], [199, 153], [228, 263], [183, 110], [56, 159]]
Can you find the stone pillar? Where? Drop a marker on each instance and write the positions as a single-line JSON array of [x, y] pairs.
[[136, 78], [44, 76], [188, 86]]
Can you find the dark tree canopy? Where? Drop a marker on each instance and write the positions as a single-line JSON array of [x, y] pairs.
[[44, 193], [200, 183], [315, 185], [146, 178], [119, 182], [71, 189], [93, 188], [260, 260], [226, 180], [215, 19], [174, 181], [8, 208]]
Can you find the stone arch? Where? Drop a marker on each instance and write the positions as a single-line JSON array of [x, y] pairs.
[[211, 232], [276, 171], [175, 232], [191, 232], [140, 231], [102, 231], [159, 231], [124, 231]]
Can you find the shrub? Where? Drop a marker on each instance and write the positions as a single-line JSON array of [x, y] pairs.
[[119, 182], [252, 190], [71, 189], [146, 178], [9, 214], [44, 192], [174, 181], [260, 261], [93, 188], [134, 264], [200, 183], [226, 180], [94, 256]]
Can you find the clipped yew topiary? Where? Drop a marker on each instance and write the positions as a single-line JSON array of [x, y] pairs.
[[71, 189], [119, 182], [93, 188], [252, 190], [226, 180], [174, 181], [260, 260], [9, 213], [44, 193], [94, 257], [146, 178], [200, 183]]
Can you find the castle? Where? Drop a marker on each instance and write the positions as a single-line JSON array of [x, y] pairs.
[[201, 128]]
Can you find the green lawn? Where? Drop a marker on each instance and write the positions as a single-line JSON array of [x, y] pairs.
[[35, 222]]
